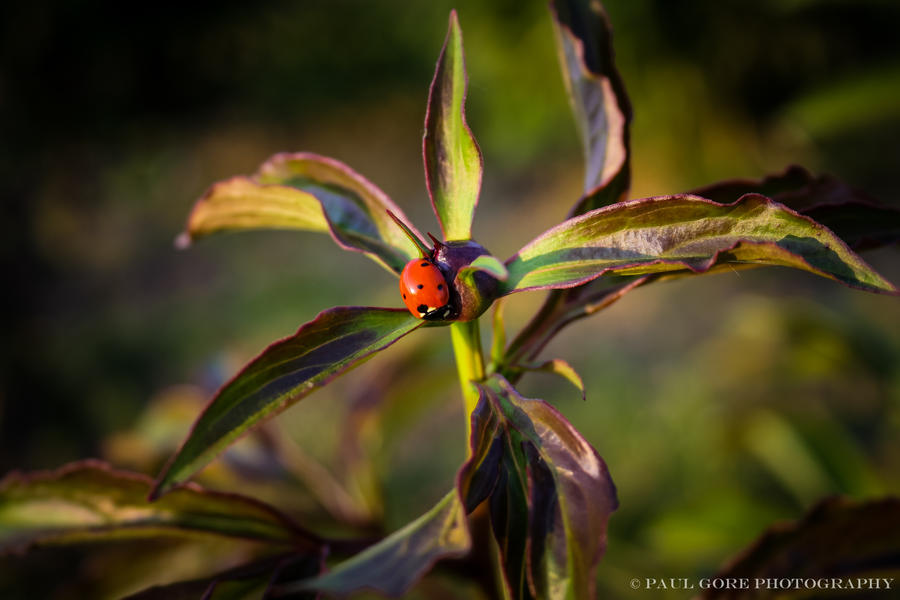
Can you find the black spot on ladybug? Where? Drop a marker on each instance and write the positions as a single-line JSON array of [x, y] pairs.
[[404, 296], [424, 264], [422, 308], [440, 286], [420, 286]]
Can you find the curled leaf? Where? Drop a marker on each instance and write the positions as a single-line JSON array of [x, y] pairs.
[[307, 192], [683, 232], [599, 102], [549, 492], [334, 342], [855, 217]]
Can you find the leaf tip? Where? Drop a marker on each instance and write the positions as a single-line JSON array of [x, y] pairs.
[[156, 491]]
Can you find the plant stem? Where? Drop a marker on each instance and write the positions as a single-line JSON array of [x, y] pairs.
[[469, 363]]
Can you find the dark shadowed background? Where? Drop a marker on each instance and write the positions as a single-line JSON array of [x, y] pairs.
[[720, 403]]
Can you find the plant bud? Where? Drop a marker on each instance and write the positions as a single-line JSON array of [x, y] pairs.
[[471, 292]]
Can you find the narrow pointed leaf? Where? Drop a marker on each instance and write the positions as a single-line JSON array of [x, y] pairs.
[[550, 493], [855, 543], [89, 501], [598, 98], [453, 164], [331, 344], [307, 192], [558, 366], [672, 233], [855, 217], [498, 334], [411, 235], [395, 563]]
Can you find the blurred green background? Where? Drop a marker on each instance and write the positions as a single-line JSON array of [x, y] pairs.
[[720, 403]]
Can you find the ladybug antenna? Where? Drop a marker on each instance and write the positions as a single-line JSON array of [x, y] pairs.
[[413, 236]]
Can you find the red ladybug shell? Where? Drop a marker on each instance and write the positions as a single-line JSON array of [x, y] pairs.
[[423, 287]]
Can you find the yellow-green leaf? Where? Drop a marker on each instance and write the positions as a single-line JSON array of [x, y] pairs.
[[307, 192], [683, 232], [334, 342], [453, 164]]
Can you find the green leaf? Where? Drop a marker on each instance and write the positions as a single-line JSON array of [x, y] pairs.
[[89, 501], [550, 493], [453, 163], [855, 217], [557, 366], [334, 342], [598, 99], [683, 232], [487, 264], [856, 543], [307, 192], [392, 565], [498, 337]]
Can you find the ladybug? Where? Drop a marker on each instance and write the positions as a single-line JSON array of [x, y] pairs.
[[424, 289]]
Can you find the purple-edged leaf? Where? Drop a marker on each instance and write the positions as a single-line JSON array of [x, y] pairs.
[[852, 215], [792, 188], [453, 162], [89, 501], [549, 492], [307, 192], [854, 543], [334, 342], [683, 232], [598, 98], [862, 225], [252, 580], [395, 563]]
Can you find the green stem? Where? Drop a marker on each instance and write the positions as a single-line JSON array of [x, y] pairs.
[[469, 363]]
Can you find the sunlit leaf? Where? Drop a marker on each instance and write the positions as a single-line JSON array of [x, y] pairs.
[[549, 492], [557, 366], [598, 98], [487, 264], [307, 192], [855, 543], [335, 341], [683, 232], [855, 217], [453, 164], [89, 501], [392, 565]]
